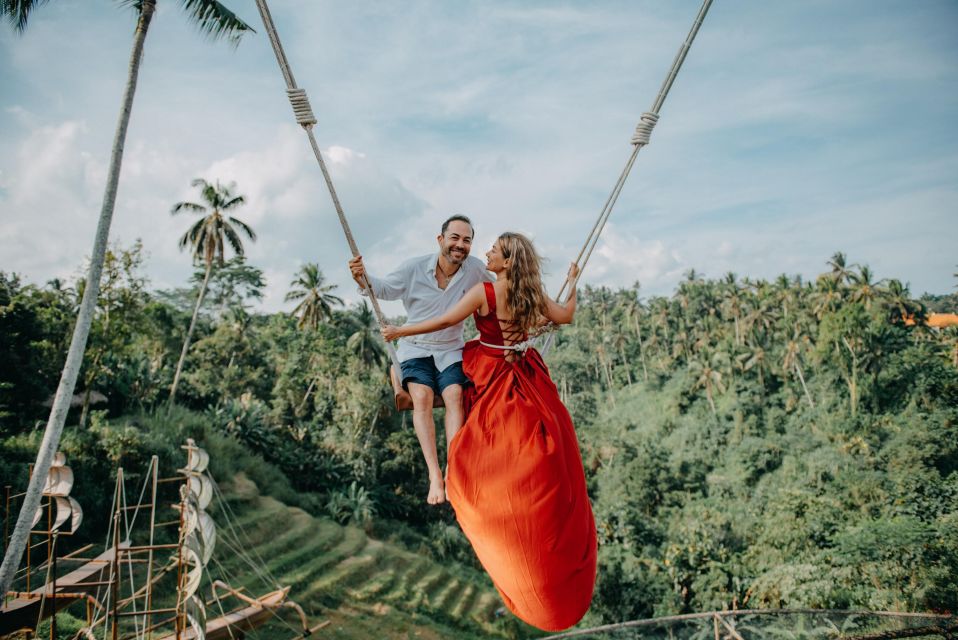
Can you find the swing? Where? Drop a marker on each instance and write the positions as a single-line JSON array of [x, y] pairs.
[[643, 130], [533, 520]]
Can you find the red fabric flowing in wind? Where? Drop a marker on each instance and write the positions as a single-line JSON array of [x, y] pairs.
[[516, 482]]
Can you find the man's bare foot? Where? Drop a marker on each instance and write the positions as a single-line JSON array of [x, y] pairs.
[[437, 491]]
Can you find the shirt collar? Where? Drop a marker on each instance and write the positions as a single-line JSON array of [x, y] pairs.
[[433, 261]]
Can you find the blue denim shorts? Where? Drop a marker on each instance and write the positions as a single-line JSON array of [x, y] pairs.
[[424, 371]]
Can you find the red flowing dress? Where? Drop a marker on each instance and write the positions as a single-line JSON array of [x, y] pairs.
[[517, 485]]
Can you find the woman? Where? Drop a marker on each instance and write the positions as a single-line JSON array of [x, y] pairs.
[[515, 476]]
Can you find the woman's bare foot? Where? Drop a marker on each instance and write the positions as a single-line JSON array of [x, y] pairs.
[[437, 491]]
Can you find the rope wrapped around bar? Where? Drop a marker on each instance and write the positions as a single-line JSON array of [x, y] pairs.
[[643, 130], [301, 107]]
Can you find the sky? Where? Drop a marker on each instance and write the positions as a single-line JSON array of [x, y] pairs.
[[794, 130]]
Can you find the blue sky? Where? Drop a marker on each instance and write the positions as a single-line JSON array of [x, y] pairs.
[[794, 130]]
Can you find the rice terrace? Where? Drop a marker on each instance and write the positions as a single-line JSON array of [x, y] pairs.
[[477, 320]]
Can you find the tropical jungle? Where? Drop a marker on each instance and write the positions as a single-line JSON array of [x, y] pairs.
[[747, 443]]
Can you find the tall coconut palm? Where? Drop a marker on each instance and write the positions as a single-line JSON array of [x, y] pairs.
[[841, 270], [214, 20], [792, 359], [708, 376], [363, 341], [864, 287], [901, 306], [827, 297], [207, 239], [315, 300]]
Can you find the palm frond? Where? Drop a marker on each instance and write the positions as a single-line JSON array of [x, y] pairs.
[[229, 204], [215, 20], [233, 238], [18, 12], [188, 206], [245, 227], [331, 299]]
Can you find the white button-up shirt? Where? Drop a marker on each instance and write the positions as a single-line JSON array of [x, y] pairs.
[[414, 282]]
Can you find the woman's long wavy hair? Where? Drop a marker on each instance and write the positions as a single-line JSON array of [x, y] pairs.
[[527, 298]]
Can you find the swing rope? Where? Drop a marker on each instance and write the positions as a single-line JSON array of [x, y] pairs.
[[643, 132], [305, 118]]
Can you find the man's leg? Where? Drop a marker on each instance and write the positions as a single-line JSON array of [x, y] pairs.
[[452, 398], [451, 381], [422, 399]]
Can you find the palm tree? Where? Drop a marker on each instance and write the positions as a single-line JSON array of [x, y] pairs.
[[214, 20], [901, 306], [792, 360], [755, 358], [864, 289], [316, 303], [363, 341], [841, 270], [733, 303], [632, 308], [207, 239], [708, 376], [827, 297]]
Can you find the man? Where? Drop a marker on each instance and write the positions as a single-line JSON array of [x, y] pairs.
[[429, 286]]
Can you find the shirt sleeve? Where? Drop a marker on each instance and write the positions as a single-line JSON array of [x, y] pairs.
[[392, 287]]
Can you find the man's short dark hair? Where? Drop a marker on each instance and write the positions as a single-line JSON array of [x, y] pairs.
[[460, 218]]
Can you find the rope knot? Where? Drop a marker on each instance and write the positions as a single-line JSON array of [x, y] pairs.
[[301, 107], [519, 347], [644, 129]]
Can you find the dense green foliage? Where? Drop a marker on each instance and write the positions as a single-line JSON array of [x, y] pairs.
[[747, 443], [756, 444]]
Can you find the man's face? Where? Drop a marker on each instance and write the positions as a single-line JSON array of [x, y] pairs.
[[456, 243]]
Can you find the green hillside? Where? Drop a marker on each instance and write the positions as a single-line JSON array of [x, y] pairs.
[[365, 587]]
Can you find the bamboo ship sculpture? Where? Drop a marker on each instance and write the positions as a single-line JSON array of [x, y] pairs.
[[148, 589], [61, 515]]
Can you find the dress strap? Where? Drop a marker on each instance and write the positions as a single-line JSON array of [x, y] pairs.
[[490, 296]]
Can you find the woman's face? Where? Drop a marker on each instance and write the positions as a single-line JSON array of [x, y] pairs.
[[495, 262]]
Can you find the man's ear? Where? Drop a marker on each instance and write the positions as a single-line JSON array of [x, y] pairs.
[[439, 239]]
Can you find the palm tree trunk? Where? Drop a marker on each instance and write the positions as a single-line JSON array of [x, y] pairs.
[[71, 368], [189, 332], [309, 390], [853, 378], [638, 335], [801, 377], [88, 383]]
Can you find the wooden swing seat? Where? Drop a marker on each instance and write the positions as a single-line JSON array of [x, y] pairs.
[[402, 397]]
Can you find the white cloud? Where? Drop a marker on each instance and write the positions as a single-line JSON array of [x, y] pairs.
[[620, 259]]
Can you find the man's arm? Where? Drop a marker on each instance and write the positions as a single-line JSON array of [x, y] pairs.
[[392, 287]]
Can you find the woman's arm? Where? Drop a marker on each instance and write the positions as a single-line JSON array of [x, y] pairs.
[[469, 303], [563, 314]]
